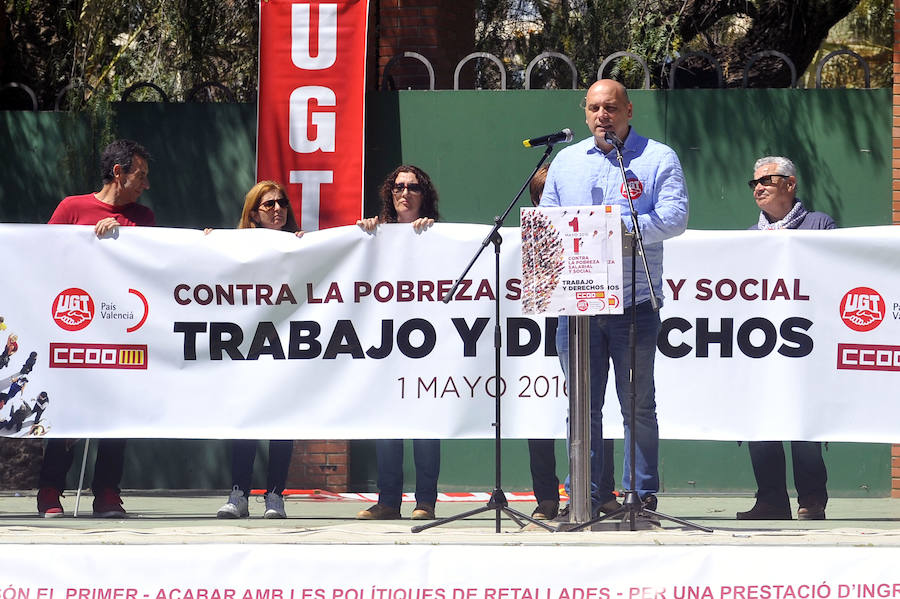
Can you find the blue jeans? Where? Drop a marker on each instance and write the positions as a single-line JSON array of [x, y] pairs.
[[609, 341], [389, 458]]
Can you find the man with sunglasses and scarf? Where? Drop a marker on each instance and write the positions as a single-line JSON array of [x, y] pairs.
[[774, 187]]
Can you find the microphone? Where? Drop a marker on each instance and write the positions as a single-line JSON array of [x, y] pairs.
[[613, 140], [564, 136]]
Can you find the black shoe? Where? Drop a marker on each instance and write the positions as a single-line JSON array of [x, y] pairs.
[[607, 508], [813, 511], [765, 511], [650, 502], [546, 510]]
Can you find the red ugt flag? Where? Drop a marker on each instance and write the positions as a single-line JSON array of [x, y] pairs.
[[310, 118]]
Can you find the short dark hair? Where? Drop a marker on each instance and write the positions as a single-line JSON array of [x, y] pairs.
[[121, 152], [429, 194]]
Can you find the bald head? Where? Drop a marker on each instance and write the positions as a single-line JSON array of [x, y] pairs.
[[607, 108], [610, 86]]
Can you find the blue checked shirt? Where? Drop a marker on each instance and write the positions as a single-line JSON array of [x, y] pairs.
[[583, 175]]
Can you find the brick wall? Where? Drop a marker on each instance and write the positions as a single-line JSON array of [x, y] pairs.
[[443, 31], [320, 465], [895, 471], [895, 193]]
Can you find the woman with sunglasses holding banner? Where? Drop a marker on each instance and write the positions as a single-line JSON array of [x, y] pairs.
[[265, 206], [407, 196]]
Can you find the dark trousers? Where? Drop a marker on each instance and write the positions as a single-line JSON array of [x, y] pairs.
[[542, 459], [108, 467], [243, 454], [389, 457], [769, 468]]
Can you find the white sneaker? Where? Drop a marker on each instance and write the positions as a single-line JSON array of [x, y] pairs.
[[274, 506], [236, 506]]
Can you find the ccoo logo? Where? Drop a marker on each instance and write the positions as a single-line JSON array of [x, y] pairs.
[[73, 309], [862, 309]]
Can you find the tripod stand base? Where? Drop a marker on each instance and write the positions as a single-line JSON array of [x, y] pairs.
[[634, 516], [609, 525], [498, 504]]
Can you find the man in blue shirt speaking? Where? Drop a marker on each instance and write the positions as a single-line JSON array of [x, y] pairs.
[[588, 173]]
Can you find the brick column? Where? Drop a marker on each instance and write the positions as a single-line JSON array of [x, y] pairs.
[[895, 199], [895, 471], [320, 465], [443, 31]]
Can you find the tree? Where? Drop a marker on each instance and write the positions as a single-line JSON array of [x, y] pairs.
[[793, 28], [731, 31], [106, 46], [868, 31]]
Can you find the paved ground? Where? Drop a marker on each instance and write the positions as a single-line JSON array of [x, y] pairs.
[[181, 518]]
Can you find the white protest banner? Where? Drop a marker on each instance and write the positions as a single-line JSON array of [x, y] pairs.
[[572, 261], [258, 334], [340, 334]]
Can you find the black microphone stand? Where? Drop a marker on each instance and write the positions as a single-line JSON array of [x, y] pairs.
[[498, 501], [632, 506]]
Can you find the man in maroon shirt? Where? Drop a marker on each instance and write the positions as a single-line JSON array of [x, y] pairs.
[[124, 168]]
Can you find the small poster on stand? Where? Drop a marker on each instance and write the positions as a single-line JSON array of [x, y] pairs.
[[572, 261]]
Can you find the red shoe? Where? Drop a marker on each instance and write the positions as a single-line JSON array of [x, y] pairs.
[[48, 503], [108, 504]]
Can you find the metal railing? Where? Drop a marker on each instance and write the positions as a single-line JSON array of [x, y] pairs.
[[544, 55], [14, 94], [674, 68], [23, 89]]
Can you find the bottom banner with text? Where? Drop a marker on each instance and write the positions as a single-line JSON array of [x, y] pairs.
[[261, 571]]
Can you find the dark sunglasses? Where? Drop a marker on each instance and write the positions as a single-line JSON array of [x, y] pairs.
[[269, 204], [766, 181], [412, 187]]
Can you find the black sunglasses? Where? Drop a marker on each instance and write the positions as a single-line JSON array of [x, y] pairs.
[[766, 181], [412, 187], [269, 204]]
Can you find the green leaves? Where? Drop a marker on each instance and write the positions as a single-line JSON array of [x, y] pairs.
[[110, 45], [660, 30]]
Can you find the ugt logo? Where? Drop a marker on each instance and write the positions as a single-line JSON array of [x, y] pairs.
[[862, 309], [635, 189], [73, 309]]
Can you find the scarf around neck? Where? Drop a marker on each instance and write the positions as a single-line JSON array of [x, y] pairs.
[[791, 220]]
